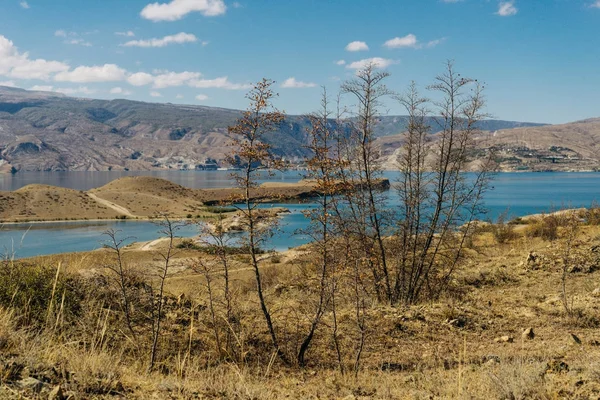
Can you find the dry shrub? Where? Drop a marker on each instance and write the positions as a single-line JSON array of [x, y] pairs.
[[592, 215], [545, 227], [8, 333]]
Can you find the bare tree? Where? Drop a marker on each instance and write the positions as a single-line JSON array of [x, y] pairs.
[[436, 195], [119, 269], [168, 228], [368, 89], [323, 171], [253, 153]]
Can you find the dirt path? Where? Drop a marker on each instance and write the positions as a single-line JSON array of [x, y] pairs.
[[149, 245], [116, 207]]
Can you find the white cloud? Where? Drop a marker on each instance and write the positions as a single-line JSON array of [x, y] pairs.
[[126, 34], [177, 9], [163, 79], [507, 8], [204, 43], [155, 94], [433, 43], [18, 65], [41, 88], [121, 91], [72, 91], [103, 73], [179, 96], [377, 62], [179, 38], [60, 33], [409, 40], [357, 46], [340, 62], [140, 79], [595, 4], [8, 83], [24, 5], [292, 83], [237, 5], [218, 83], [170, 79], [80, 42], [202, 97]]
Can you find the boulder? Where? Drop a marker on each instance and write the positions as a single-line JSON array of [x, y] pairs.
[[528, 334]]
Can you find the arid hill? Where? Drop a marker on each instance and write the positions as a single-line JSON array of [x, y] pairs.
[[137, 197], [568, 147], [44, 131]]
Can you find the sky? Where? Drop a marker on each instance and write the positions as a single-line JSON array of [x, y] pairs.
[[539, 59]]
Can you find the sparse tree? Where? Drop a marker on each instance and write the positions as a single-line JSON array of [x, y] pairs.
[[367, 204], [435, 193], [253, 152]]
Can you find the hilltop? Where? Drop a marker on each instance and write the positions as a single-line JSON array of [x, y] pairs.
[[573, 146], [46, 131]]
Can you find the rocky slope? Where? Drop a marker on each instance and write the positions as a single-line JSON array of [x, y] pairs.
[[44, 131], [568, 147]]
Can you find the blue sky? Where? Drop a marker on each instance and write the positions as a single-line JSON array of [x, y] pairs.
[[540, 59]]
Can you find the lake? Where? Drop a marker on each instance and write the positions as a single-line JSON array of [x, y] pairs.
[[519, 193]]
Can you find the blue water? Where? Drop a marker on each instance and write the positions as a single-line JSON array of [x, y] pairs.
[[519, 193]]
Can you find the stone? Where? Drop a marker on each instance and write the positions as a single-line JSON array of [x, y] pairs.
[[528, 334], [557, 366], [32, 384], [504, 339], [56, 394]]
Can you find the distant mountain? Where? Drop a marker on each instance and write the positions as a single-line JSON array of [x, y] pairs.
[[567, 147], [46, 131]]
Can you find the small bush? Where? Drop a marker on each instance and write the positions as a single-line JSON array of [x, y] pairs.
[[29, 288], [592, 215], [502, 231], [220, 210], [545, 227]]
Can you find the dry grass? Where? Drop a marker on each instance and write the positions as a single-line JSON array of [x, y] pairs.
[[448, 348]]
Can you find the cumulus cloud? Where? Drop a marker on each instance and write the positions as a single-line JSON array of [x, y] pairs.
[[126, 34], [101, 73], [357, 46], [218, 83], [179, 38], [15, 64], [507, 8], [24, 4], [177, 9], [60, 33], [409, 40], [8, 83], [377, 62], [202, 97], [340, 62], [72, 91], [170, 79], [41, 88], [140, 79], [119, 90], [292, 83], [155, 94]]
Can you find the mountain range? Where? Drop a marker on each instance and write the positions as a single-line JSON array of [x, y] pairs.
[[47, 131]]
